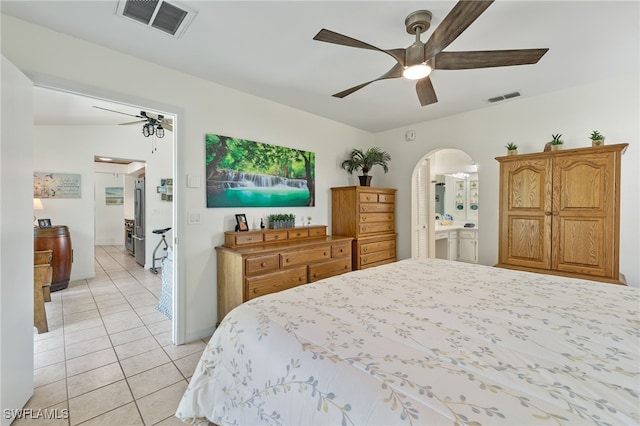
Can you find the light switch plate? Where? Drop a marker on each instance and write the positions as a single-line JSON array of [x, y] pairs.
[[194, 181], [193, 218]]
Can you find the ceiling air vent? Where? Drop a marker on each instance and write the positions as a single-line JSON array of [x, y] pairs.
[[169, 17], [504, 97]]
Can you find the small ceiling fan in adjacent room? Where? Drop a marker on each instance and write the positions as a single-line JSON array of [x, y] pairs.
[[154, 124], [417, 61]]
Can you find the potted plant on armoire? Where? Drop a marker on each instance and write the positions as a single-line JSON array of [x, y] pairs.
[[364, 161]]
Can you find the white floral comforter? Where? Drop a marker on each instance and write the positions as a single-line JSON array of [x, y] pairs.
[[425, 342]]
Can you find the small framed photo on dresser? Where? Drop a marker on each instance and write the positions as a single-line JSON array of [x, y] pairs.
[[241, 223]]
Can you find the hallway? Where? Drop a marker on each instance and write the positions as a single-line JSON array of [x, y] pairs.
[[108, 357]]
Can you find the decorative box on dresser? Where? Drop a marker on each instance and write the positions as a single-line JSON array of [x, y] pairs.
[[560, 212], [368, 215], [255, 263]]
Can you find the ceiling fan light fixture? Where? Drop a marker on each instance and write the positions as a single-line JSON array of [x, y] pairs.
[[147, 130], [416, 72], [159, 131]]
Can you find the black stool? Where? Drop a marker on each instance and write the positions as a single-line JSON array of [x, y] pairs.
[[166, 246]]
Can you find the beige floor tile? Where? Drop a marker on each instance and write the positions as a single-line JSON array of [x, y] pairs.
[[119, 274], [94, 379], [84, 335], [127, 415], [176, 352], [99, 401], [115, 299], [48, 395], [75, 350], [164, 338], [153, 380], [74, 308], [171, 421], [153, 318], [129, 335], [90, 361], [123, 324], [143, 362], [49, 374], [114, 309], [82, 325], [136, 347], [82, 316], [43, 359], [161, 404], [49, 335], [187, 365], [48, 344], [159, 327]]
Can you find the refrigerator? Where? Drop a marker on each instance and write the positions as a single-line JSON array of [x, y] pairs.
[[138, 226]]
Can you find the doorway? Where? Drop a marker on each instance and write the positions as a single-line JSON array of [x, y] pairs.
[[445, 198], [83, 133]]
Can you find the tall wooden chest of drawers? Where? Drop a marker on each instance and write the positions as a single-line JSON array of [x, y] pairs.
[[368, 215], [255, 263]]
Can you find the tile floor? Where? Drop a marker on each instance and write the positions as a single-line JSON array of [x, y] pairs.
[[108, 357]]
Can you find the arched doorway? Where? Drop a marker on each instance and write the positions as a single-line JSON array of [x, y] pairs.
[[445, 197]]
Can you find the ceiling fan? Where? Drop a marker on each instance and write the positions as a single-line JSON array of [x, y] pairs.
[[153, 123], [417, 61]]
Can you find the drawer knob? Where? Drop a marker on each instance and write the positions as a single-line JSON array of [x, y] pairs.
[[364, 208], [365, 249], [324, 253], [250, 238], [276, 237], [263, 264], [365, 259], [298, 234], [287, 260], [368, 197]]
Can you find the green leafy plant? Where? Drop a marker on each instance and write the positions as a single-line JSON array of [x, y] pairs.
[[511, 146], [556, 139], [596, 136], [365, 160]]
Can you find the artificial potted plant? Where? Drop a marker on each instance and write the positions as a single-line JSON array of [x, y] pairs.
[[556, 142], [596, 138], [364, 161], [512, 148]]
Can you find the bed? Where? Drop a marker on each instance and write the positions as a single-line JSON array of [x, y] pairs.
[[425, 342]]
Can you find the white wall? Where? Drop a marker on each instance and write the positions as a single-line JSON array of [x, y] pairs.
[[612, 107], [71, 149], [201, 107], [16, 241], [109, 218]]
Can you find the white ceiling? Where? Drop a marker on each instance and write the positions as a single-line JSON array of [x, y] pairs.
[[266, 48]]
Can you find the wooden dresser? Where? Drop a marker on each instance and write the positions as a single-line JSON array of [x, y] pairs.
[[255, 263], [368, 215], [560, 212]]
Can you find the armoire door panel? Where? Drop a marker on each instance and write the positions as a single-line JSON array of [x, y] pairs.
[[581, 246], [528, 244], [527, 188]]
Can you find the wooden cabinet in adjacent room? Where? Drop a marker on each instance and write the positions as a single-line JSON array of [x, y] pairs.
[[256, 263], [368, 215], [560, 212]]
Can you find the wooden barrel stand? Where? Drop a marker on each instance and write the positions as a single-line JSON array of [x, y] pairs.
[[58, 239]]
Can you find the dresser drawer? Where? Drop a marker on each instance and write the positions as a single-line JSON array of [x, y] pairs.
[[341, 249], [370, 228], [318, 271], [294, 234], [261, 264], [368, 197], [304, 256], [242, 238], [386, 198], [376, 208], [275, 236], [377, 217], [277, 281], [318, 231], [377, 256], [467, 234], [378, 246]]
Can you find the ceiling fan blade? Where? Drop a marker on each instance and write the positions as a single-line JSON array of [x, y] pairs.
[[132, 122], [461, 16], [394, 72], [426, 93], [487, 58], [343, 40], [119, 112], [166, 124]]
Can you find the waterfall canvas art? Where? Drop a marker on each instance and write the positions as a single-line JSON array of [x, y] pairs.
[[244, 173]]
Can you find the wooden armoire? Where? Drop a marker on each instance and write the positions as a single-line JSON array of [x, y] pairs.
[[560, 212], [368, 215]]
